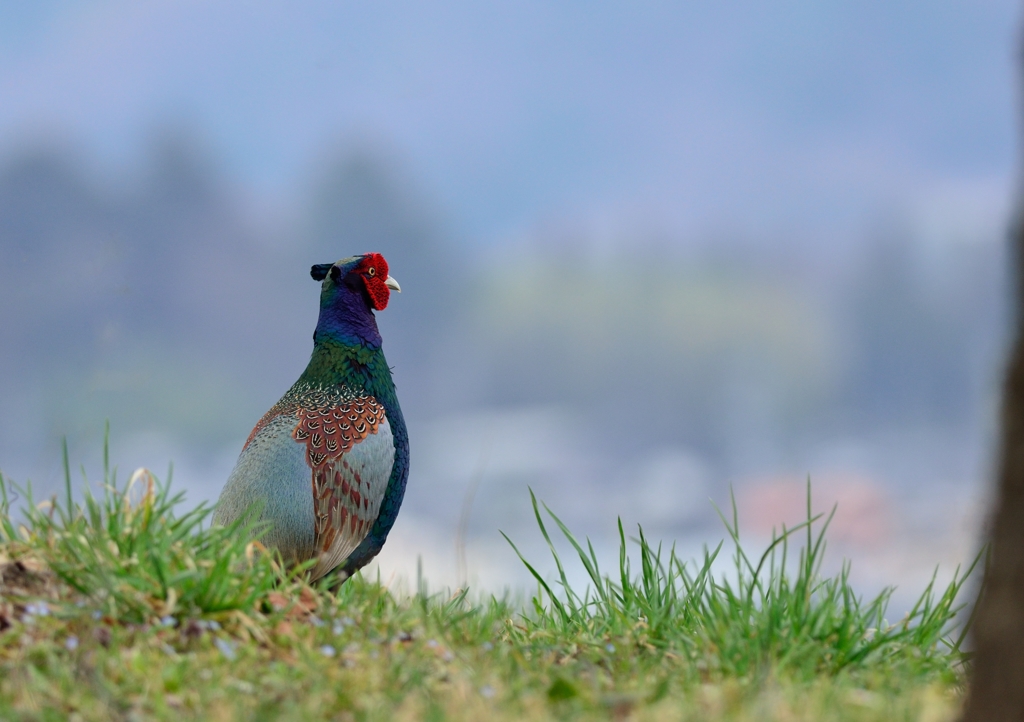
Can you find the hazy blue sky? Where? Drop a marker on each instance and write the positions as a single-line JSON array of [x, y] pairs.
[[689, 116], [688, 121]]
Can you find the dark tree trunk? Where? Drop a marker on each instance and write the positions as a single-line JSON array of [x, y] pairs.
[[996, 691], [997, 681]]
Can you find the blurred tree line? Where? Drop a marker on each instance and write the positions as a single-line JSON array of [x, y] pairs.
[[157, 302]]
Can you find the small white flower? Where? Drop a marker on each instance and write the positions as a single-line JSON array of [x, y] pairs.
[[71, 643], [37, 609], [242, 686], [226, 648], [328, 651]]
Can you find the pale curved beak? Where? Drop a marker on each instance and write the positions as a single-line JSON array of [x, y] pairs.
[[393, 285]]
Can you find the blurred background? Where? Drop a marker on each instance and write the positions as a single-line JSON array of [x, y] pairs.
[[649, 252]]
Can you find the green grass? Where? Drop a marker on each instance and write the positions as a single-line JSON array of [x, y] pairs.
[[122, 606]]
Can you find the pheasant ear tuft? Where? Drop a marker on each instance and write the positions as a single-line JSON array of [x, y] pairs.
[[319, 271]]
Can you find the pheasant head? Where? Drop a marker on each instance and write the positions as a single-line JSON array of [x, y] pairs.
[[351, 290]]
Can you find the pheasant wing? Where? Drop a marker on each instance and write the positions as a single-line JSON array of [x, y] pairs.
[[351, 451]]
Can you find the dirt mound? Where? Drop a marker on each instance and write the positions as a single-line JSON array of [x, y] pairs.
[[22, 581]]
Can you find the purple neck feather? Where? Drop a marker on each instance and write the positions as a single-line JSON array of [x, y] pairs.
[[345, 317]]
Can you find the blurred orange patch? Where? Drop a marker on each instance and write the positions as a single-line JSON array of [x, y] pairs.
[[863, 516]]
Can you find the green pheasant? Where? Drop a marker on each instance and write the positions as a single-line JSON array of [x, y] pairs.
[[327, 465]]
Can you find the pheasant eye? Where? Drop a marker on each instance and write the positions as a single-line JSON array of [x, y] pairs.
[[372, 271]]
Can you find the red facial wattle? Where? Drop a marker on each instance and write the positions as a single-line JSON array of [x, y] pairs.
[[374, 271]]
